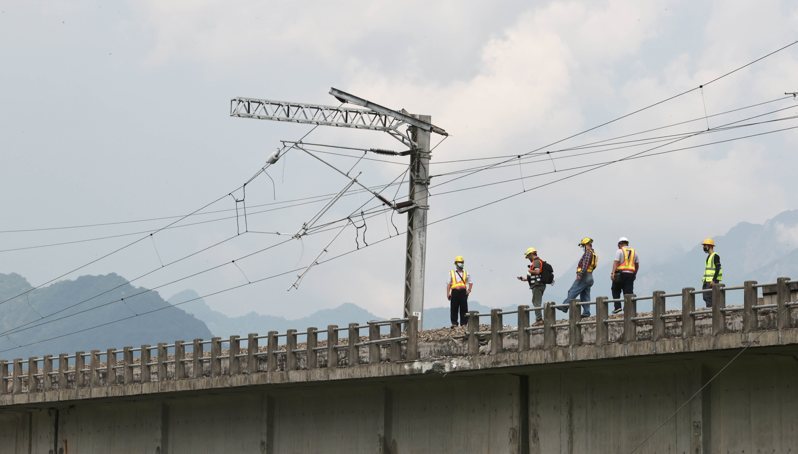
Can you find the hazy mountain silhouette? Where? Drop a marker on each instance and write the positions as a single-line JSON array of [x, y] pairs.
[[31, 310]]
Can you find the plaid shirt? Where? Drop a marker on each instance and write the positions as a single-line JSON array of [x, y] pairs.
[[584, 262]]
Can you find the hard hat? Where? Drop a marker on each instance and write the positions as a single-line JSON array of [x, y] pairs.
[[623, 239], [529, 251], [708, 242], [585, 240], [459, 258]]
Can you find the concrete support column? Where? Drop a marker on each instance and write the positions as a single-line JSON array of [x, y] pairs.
[[472, 328], [549, 331], [658, 306], [332, 342], [374, 348], [17, 376], [216, 356], [80, 364], [602, 314], [63, 367], [163, 357], [4, 377], [496, 337], [47, 377], [574, 331], [33, 370], [233, 361], [629, 314], [271, 351], [688, 307], [749, 301], [144, 361], [290, 346], [412, 338], [110, 366], [180, 360], [523, 324], [313, 339], [352, 349], [718, 304], [252, 351], [782, 297], [197, 354], [395, 348], [94, 368]]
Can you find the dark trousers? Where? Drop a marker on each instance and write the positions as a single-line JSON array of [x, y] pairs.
[[707, 295], [624, 282], [459, 305]]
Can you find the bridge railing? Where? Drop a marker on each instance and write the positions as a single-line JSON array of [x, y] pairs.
[[654, 317]]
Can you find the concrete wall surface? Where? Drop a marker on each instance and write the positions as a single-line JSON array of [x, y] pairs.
[[639, 404]]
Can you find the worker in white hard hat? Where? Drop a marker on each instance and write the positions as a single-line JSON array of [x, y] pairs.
[[458, 287], [624, 271], [535, 278], [584, 276], [713, 273]]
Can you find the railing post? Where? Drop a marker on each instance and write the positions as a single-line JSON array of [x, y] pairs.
[[658, 306], [688, 307], [252, 351], [162, 352], [352, 349], [473, 328], [17, 378], [110, 366], [629, 313], [79, 365], [782, 297], [395, 347], [4, 377], [412, 338], [496, 338], [574, 315], [290, 346], [127, 370], [749, 301], [216, 353], [47, 377], [271, 351], [718, 304], [63, 367], [144, 363], [233, 361], [180, 360], [332, 342], [94, 368], [602, 314], [33, 370], [197, 353], [312, 341], [374, 348], [549, 330], [523, 324]]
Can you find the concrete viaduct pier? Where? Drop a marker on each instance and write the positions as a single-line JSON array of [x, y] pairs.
[[675, 379]]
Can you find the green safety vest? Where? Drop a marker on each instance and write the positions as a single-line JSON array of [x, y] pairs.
[[709, 271]]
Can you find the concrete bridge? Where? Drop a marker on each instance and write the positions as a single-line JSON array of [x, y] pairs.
[[677, 379]]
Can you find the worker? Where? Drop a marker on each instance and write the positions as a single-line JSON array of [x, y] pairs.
[[713, 273], [458, 288], [584, 277], [534, 277], [624, 271]]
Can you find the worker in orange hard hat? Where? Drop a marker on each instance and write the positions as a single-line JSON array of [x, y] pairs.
[[713, 273], [458, 287]]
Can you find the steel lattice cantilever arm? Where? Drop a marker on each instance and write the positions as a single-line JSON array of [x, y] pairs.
[[264, 109]]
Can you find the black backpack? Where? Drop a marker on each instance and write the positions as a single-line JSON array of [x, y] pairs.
[[546, 273]]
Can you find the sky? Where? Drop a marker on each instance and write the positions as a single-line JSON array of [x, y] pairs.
[[117, 113]]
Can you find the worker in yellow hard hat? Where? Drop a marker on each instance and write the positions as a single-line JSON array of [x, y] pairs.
[[713, 273], [458, 287], [538, 275], [584, 276]]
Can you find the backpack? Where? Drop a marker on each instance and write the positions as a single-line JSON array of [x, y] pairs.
[[546, 273]]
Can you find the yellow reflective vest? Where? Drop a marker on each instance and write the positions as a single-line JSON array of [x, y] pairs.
[[456, 282], [709, 270]]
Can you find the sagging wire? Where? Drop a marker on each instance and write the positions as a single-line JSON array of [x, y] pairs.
[[521, 173], [310, 223], [404, 174], [155, 247], [315, 261], [704, 101], [365, 228], [242, 201], [27, 296], [246, 278]]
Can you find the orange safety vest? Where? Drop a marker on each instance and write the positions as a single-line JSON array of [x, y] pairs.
[[458, 284], [628, 260]]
